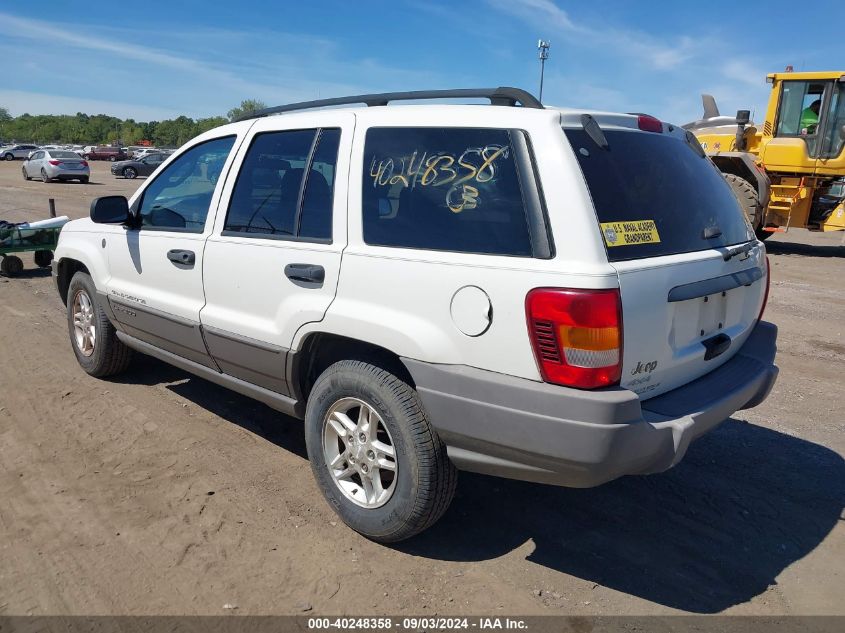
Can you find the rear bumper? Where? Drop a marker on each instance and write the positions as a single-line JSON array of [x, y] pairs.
[[521, 429]]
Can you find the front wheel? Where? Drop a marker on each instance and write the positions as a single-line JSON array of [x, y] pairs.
[[129, 172], [92, 336], [11, 265], [9, 156], [25, 175], [377, 459]]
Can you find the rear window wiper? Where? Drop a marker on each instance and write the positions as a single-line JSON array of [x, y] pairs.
[[594, 131], [733, 251]]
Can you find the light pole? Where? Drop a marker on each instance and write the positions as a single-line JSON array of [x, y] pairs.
[[543, 46]]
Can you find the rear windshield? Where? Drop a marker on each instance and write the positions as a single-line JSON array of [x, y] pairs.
[[56, 154], [655, 195]]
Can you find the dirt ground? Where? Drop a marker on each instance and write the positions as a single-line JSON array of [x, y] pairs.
[[160, 493]]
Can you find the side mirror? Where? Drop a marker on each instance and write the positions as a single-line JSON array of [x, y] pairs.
[[743, 117], [110, 210]]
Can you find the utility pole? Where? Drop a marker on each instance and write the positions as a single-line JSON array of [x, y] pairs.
[[543, 47]]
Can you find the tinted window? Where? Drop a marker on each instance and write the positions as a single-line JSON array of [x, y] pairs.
[[316, 218], [179, 196], [644, 178], [268, 197], [451, 189], [266, 193]]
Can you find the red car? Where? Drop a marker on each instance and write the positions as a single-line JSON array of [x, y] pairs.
[[106, 153]]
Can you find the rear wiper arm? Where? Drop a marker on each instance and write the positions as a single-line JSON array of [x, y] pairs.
[[733, 251]]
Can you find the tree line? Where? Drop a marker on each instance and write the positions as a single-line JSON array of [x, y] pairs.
[[101, 129]]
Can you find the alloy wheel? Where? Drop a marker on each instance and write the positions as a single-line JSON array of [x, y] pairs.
[[359, 453]]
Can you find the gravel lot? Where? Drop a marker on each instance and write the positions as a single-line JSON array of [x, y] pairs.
[[160, 493]]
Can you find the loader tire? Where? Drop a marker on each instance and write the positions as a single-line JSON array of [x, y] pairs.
[[749, 200]]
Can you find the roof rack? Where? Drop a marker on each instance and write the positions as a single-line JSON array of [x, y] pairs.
[[498, 96]]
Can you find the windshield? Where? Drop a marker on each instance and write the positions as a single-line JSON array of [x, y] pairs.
[[655, 195]]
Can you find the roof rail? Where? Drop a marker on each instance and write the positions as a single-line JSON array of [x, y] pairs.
[[498, 96]]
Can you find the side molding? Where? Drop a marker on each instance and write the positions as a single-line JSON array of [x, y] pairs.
[[274, 400]]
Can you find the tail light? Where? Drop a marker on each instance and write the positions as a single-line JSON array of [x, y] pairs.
[[55, 162], [576, 335], [649, 124], [85, 163], [768, 285]]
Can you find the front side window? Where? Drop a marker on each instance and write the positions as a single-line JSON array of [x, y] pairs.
[[285, 185], [449, 189], [800, 105], [179, 197]]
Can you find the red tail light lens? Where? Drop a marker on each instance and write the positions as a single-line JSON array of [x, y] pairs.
[[649, 124], [768, 285], [85, 163], [576, 335], [55, 162]]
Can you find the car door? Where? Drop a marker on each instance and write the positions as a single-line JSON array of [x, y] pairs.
[[156, 289], [33, 164], [149, 164], [273, 261]]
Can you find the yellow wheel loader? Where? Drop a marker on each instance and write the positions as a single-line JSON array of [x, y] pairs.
[[791, 170]]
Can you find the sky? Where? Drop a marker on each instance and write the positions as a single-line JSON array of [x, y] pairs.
[[162, 59]]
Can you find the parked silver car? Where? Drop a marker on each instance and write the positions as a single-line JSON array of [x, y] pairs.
[[17, 151], [58, 164]]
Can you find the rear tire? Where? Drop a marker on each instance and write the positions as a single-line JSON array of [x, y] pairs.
[[112, 158], [43, 259], [92, 336], [11, 265], [84, 180], [423, 479], [44, 176]]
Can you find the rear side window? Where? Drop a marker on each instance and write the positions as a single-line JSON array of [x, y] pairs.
[[449, 189], [273, 197], [654, 195]]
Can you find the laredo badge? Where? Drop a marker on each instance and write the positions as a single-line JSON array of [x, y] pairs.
[[627, 233]]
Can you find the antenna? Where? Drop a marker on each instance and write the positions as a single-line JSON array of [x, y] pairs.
[[543, 48]]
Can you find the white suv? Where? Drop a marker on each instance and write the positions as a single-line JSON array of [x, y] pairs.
[[550, 295]]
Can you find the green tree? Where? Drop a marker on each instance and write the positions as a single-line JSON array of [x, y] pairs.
[[248, 106], [4, 115]]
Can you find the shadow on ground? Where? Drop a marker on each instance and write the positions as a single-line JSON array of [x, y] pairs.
[[247, 413], [808, 250], [711, 533]]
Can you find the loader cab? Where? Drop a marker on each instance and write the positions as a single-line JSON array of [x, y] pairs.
[[798, 99]]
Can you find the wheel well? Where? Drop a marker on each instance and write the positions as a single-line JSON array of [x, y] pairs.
[[320, 350], [727, 165], [66, 270]]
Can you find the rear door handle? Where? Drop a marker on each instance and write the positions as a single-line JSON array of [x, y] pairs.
[[182, 257], [307, 273]]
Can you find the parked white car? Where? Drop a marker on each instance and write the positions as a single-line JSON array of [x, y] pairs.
[[56, 164], [552, 295], [145, 151], [13, 152]]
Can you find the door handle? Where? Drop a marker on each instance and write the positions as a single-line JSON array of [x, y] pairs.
[[308, 273], [182, 257]]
